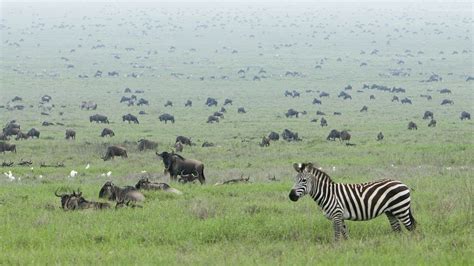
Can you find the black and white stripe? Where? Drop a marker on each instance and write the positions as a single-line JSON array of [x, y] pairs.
[[356, 202]]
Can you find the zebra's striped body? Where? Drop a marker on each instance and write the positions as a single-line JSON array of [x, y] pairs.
[[356, 202]]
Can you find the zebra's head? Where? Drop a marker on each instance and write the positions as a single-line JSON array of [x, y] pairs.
[[302, 184]]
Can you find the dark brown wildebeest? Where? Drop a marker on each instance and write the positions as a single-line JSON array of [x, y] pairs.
[[188, 103], [178, 146], [33, 133], [405, 101], [380, 136], [288, 135], [395, 98], [75, 201], [144, 144], [142, 102], [169, 103], [465, 115], [320, 113], [265, 142], [323, 94], [113, 151], [372, 97], [207, 144], [292, 112], [273, 136], [227, 101], [187, 178], [364, 109], [428, 114], [114, 193], [107, 132], [89, 105], [316, 101], [21, 135], [47, 124], [324, 123], [218, 114], [241, 110], [432, 123], [11, 129], [70, 134], [3, 136], [99, 119], [166, 118], [442, 91], [211, 101], [345, 135], [446, 101], [176, 165], [333, 135], [337, 113], [184, 140], [7, 147], [412, 126], [212, 119], [146, 184], [130, 118], [223, 110]]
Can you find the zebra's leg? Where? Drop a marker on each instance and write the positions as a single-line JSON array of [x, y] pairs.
[[345, 232], [393, 222], [338, 225], [407, 219]]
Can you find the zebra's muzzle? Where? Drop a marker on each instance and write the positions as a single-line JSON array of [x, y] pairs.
[[293, 196]]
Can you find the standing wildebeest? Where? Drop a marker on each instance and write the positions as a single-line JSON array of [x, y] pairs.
[[345, 135], [432, 123], [113, 151], [333, 135], [142, 102], [465, 115], [70, 134], [223, 110], [169, 103], [166, 118], [316, 101], [99, 118], [428, 114], [412, 126], [219, 114], [212, 119], [144, 144], [405, 101], [211, 101], [21, 135], [446, 101], [11, 129], [188, 103], [176, 165], [265, 142], [324, 123], [178, 146], [184, 140], [364, 109], [323, 94], [113, 193], [380, 136], [291, 113], [372, 97], [395, 98], [288, 135], [130, 118], [3, 136], [107, 132], [227, 101], [241, 110], [146, 184], [273, 136], [33, 133], [7, 147]]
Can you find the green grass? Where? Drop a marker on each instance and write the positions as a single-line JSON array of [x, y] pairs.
[[243, 224]]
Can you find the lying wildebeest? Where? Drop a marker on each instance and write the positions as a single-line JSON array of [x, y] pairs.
[[99, 118], [428, 114], [227, 101], [288, 135], [169, 103], [21, 135], [320, 113], [177, 165], [47, 124], [241, 110], [75, 201], [144, 144], [33, 133], [70, 134], [405, 101], [432, 123], [114, 193], [207, 144], [130, 118], [107, 132], [291, 113], [446, 101], [337, 113], [166, 118], [448, 91], [323, 94], [178, 146], [364, 109], [324, 123], [188, 103], [11, 129], [184, 140], [345, 135], [146, 184], [265, 142], [211, 101], [273, 136], [7, 147], [333, 135], [465, 115], [113, 151], [412, 126], [316, 101], [212, 119], [380, 136], [142, 102]]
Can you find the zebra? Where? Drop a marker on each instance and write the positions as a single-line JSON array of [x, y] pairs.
[[356, 202]]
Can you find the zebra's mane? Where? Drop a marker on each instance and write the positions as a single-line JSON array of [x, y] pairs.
[[315, 171]]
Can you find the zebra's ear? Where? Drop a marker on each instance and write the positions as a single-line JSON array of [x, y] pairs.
[[299, 167]]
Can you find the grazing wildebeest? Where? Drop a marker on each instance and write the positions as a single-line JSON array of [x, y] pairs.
[[33, 133], [323, 122], [316, 101], [107, 132], [46, 98], [364, 109], [176, 165], [395, 98], [288, 93], [337, 113], [70, 134], [288, 135], [212, 119], [345, 135], [347, 96], [99, 118], [142, 102], [380, 136], [184, 140], [323, 94], [412, 126], [113, 151], [178, 146], [130, 118], [291, 113], [144, 144], [428, 114], [46, 124], [17, 98], [188, 103], [320, 113], [211, 101], [227, 101], [273, 136], [333, 135], [146, 184], [218, 114], [241, 110], [7, 147], [372, 97], [446, 101], [405, 101], [127, 90], [448, 91], [166, 118], [21, 135], [207, 144], [169, 103], [432, 123], [465, 115], [265, 142], [142, 113], [114, 193]]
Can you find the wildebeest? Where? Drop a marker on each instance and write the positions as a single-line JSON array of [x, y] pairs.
[[428, 114], [446, 101], [337, 113], [241, 110], [178, 146], [207, 144], [7, 147], [176, 165], [188, 103], [211, 101], [364, 109], [273, 136], [146, 184], [212, 119], [333, 135], [33, 133], [465, 115], [107, 132], [265, 142], [88, 105], [144, 144], [3, 136], [288, 135], [75, 201], [218, 114], [405, 101], [70, 134], [412, 126], [448, 91], [113, 151], [46, 124], [184, 140], [11, 129], [142, 102], [323, 94], [345, 135], [291, 113], [227, 101], [169, 103], [130, 118], [372, 97], [432, 123], [380, 136], [166, 118], [187, 178], [99, 118], [114, 193], [21, 135], [316, 101], [394, 98], [323, 122], [320, 113]]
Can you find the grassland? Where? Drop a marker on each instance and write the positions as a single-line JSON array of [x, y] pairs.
[[243, 224]]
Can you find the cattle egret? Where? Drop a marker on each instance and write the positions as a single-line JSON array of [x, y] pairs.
[[87, 166], [9, 175], [73, 173], [109, 173]]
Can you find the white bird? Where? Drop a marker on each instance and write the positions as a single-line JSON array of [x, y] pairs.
[[9, 175], [73, 173], [334, 168], [40, 176], [87, 166], [143, 171], [109, 173], [102, 175]]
